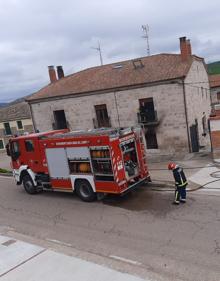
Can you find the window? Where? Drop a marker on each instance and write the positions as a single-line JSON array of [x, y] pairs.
[[218, 96], [29, 145], [7, 128], [19, 125], [60, 120], [147, 111], [1, 144], [137, 63], [102, 116]]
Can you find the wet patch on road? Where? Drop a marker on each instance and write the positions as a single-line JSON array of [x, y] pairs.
[[143, 199]]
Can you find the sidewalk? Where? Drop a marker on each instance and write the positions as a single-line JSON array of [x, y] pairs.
[[5, 161], [209, 178], [197, 168], [21, 261]]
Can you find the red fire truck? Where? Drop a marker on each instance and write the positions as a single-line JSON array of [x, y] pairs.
[[91, 163]]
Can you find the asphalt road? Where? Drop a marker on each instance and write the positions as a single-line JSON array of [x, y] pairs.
[[143, 231]]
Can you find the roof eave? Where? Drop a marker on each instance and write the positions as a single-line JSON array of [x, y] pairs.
[[107, 90]]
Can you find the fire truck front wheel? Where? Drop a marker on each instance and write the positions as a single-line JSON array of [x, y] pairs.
[[29, 185], [85, 191]]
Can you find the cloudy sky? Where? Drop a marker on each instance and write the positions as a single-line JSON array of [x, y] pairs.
[[38, 33]]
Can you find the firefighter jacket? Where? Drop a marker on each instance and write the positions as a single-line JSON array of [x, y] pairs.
[[180, 178]]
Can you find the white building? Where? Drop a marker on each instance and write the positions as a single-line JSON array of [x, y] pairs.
[[15, 119]]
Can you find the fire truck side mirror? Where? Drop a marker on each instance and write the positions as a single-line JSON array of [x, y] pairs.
[[8, 149]]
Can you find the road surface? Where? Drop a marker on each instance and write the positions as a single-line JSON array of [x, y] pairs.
[[141, 234]]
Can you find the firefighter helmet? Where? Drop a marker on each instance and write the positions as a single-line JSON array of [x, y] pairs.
[[171, 166]]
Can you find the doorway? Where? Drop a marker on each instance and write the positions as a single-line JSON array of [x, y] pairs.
[[194, 137], [151, 139]]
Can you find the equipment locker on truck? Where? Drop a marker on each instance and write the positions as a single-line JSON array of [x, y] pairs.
[[98, 161]]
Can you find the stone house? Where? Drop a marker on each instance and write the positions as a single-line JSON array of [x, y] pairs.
[[15, 119], [163, 93], [214, 80]]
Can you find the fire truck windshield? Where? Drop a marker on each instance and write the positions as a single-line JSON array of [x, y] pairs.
[[15, 150]]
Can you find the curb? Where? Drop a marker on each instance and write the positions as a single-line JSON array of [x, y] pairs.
[[169, 186], [6, 174]]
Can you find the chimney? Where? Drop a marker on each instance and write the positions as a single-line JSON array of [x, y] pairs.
[[185, 48], [52, 74], [60, 72]]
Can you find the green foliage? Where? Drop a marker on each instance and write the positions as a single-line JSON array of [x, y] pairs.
[[4, 171], [214, 68]]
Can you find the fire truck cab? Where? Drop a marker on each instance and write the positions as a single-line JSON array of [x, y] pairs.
[[98, 161]]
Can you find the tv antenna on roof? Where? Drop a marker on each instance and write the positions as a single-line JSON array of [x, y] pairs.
[[146, 30], [100, 52]]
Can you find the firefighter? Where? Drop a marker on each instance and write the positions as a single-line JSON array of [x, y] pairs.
[[180, 183]]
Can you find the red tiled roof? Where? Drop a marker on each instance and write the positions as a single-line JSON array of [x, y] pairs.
[[214, 80], [116, 75]]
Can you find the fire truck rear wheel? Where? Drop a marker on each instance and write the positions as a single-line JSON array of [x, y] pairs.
[[29, 185], [85, 191]]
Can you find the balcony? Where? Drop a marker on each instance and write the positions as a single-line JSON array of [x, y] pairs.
[[104, 123], [148, 119], [61, 125], [7, 132]]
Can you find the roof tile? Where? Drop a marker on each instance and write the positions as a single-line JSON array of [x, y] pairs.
[[214, 80], [156, 68]]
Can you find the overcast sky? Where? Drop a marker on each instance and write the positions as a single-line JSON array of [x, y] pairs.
[[38, 33]]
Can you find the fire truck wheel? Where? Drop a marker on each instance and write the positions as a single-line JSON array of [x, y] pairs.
[[29, 185], [85, 191]]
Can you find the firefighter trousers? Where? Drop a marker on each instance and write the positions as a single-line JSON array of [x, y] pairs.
[[180, 194]]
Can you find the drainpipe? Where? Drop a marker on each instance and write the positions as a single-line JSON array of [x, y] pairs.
[[116, 105], [186, 115]]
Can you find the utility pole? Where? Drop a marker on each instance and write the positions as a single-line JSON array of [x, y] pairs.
[[146, 30], [100, 52]]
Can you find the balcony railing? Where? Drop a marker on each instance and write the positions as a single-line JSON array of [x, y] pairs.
[[64, 126], [7, 132], [148, 119], [106, 123]]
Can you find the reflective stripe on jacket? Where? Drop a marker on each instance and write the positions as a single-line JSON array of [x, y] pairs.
[[180, 178]]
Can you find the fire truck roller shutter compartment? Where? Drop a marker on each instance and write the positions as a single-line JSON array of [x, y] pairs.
[[57, 163], [77, 153]]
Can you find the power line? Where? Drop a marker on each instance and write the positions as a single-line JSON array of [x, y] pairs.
[[200, 82], [189, 85]]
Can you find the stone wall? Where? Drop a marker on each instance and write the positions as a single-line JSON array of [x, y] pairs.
[[198, 99], [122, 109]]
